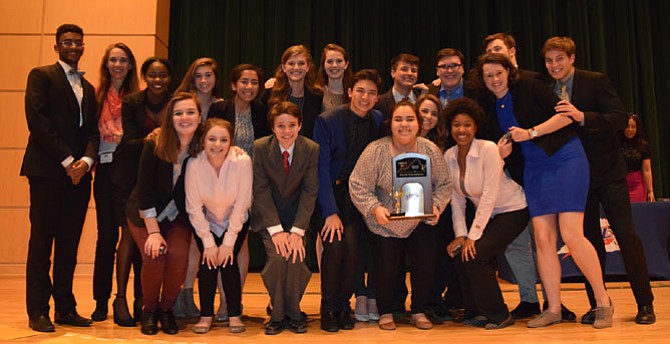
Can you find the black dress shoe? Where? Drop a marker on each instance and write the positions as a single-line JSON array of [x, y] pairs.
[[346, 321], [149, 322], [72, 319], [41, 323], [645, 315], [100, 312], [507, 322], [168, 322], [122, 314], [589, 317], [329, 321], [526, 310], [297, 326], [566, 314], [274, 327]]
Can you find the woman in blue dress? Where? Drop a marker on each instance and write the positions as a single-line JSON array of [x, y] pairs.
[[555, 176]]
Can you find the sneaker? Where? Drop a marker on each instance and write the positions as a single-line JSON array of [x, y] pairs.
[[545, 319], [604, 316], [526, 310], [361, 312]]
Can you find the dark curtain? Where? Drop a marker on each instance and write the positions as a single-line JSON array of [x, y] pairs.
[[626, 39]]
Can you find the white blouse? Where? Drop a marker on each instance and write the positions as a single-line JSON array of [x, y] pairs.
[[486, 185]]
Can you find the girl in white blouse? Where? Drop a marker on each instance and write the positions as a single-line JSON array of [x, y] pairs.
[[501, 213], [218, 196]]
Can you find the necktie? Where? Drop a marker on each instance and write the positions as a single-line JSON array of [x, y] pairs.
[[564, 93], [286, 165]]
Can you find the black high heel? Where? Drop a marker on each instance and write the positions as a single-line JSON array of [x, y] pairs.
[[122, 314]]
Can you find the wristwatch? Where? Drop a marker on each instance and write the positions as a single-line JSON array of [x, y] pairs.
[[532, 133]]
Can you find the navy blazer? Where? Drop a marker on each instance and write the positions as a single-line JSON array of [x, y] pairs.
[[604, 116], [329, 133], [259, 115], [52, 113], [279, 198], [154, 187]]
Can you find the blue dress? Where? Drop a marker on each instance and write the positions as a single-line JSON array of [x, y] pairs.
[[554, 184]]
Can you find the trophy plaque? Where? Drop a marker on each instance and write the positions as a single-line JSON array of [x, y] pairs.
[[412, 188]]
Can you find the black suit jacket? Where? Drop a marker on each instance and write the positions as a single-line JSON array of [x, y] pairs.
[[468, 89], [154, 188], [386, 102], [52, 113], [278, 198], [604, 115], [259, 118], [534, 103]]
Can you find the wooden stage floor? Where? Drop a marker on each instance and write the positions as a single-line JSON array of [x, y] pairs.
[[14, 322]]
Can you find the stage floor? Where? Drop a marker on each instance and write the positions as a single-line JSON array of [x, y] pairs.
[[14, 321]]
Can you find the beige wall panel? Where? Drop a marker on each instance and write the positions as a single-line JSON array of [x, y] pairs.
[[21, 16], [13, 188], [163, 21], [14, 244], [20, 54], [102, 16], [14, 130]]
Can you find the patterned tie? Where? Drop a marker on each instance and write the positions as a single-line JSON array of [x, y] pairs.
[[287, 167], [564, 93]]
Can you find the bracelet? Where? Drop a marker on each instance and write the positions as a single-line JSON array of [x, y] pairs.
[[154, 233]]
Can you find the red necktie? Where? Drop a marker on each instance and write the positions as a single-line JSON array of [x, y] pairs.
[[286, 165]]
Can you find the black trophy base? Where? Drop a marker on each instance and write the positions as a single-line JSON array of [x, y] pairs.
[[402, 216]]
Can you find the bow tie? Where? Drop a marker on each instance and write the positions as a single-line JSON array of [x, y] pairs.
[[76, 72]]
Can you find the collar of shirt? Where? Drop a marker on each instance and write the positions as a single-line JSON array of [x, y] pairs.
[[568, 85], [454, 93], [290, 152], [399, 97]]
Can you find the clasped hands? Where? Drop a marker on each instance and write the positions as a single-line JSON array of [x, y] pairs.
[[289, 244], [76, 170], [216, 256]]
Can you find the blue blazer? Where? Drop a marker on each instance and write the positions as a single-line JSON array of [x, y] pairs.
[[329, 129]]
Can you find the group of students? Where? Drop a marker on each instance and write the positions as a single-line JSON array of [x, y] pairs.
[[314, 152]]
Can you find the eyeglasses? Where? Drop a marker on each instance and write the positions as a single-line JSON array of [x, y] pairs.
[[447, 67], [69, 44]]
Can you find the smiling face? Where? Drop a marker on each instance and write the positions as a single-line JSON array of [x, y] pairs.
[[404, 125], [296, 67], [118, 64], [334, 64], [559, 64], [185, 117], [463, 129], [363, 97], [405, 74], [286, 128], [496, 78], [204, 79], [157, 78], [450, 71], [429, 112], [247, 86], [217, 143], [631, 129], [70, 48]]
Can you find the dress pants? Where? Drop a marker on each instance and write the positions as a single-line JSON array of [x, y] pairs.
[[285, 281], [162, 276], [338, 262], [364, 264], [108, 232], [230, 278], [615, 200], [480, 280], [420, 247], [57, 213], [445, 273]]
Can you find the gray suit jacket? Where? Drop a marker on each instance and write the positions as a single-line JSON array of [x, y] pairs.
[[279, 198]]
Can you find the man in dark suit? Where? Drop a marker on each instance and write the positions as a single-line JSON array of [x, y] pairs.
[[343, 133], [285, 191], [405, 73], [62, 146], [590, 99]]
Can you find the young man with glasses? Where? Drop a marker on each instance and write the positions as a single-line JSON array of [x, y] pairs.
[[62, 146], [450, 84]]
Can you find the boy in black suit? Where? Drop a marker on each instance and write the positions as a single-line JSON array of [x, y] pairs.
[[62, 146]]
